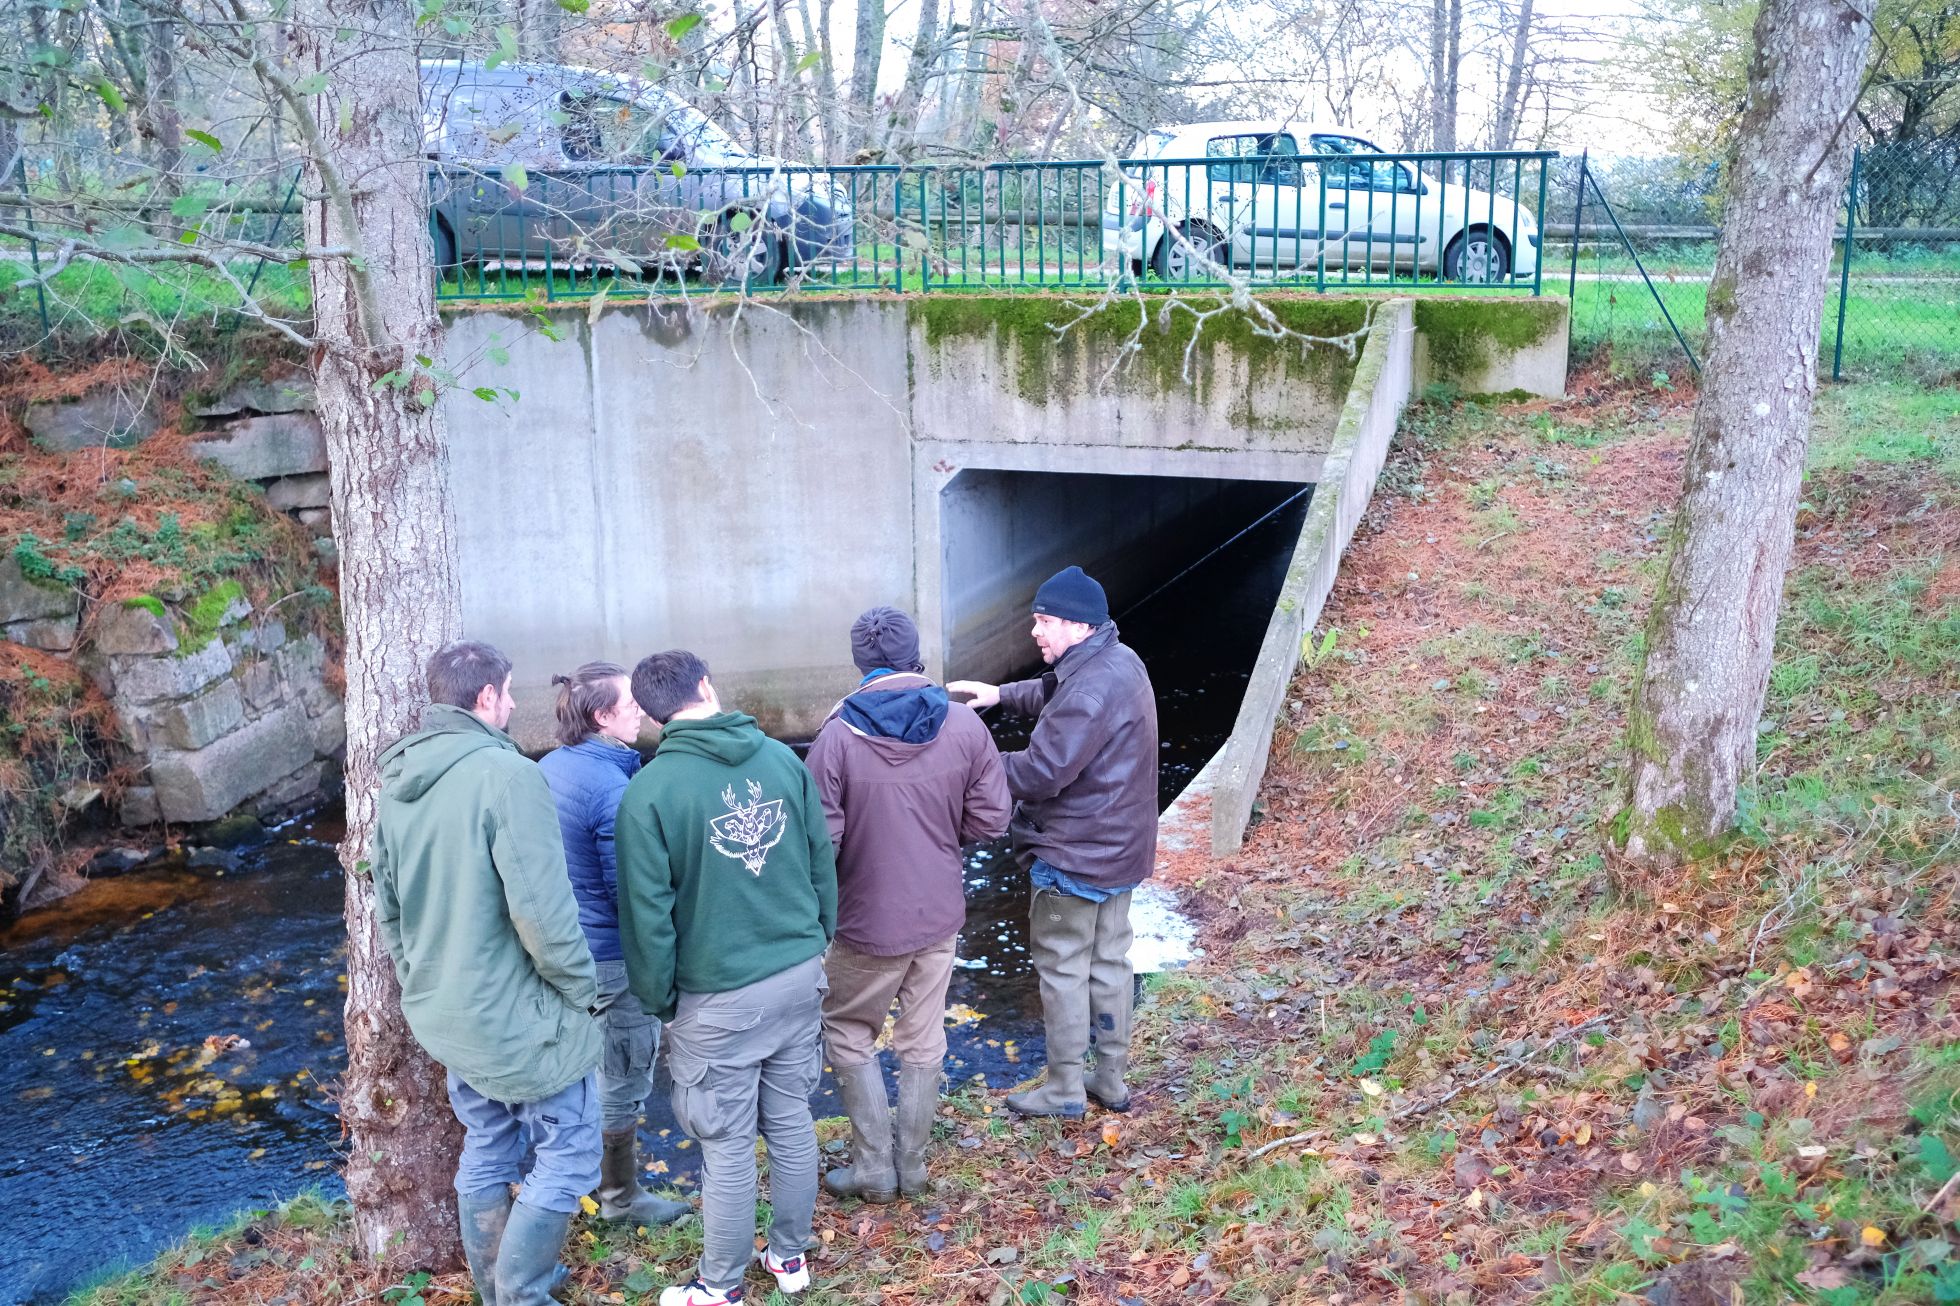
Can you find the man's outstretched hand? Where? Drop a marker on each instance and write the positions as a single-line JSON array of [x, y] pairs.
[[977, 693]]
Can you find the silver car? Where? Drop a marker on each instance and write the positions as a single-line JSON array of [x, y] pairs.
[[545, 163]]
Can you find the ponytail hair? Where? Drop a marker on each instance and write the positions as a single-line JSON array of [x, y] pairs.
[[592, 689]]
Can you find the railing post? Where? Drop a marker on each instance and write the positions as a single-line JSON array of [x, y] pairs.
[[1844, 267], [1578, 208]]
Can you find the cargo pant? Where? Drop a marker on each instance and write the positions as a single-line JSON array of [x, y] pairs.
[[632, 1041], [746, 1061]]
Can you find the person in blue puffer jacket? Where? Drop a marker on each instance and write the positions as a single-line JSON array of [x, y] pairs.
[[598, 722]]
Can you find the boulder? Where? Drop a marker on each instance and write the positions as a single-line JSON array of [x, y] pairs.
[[330, 731], [288, 493], [139, 806], [290, 394], [55, 634], [110, 417], [148, 680], [263, 688], [259, 448], [207, 784], [303, 788], [24, 600], [196, 722], [135, 630]]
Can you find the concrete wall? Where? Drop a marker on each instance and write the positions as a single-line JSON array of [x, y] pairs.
[[745, 480], [1374, 404]]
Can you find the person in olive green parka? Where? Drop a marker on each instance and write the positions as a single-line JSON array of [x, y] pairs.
[[498, 985]]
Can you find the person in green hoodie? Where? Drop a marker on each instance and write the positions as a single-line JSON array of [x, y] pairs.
[[498, 985], [727, 900]]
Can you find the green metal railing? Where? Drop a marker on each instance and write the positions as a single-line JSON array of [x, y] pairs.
[[1454, 221]]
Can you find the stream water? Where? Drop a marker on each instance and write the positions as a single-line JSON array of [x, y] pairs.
[[167, 1037]]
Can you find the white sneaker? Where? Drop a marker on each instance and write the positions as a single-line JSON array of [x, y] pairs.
[[697, 1293], [792, 1275]]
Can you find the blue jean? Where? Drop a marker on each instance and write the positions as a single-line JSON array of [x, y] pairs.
[[563, 1128]]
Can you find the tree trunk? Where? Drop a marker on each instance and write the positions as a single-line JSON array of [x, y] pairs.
[[1445, 57], [400, 599], [539, 29], [867, 54], [819, 41], [1510, 107], [898, 129], [160, 112], [1692, 724]]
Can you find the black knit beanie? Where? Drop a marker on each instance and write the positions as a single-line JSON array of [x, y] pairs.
[[1073, 595], [885, 637]]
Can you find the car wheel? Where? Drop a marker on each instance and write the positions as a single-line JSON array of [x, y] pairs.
[[1177, 260], [744, 258], [1477, 258]]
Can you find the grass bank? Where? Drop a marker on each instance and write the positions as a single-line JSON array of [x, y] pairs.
[[1426, 1057]]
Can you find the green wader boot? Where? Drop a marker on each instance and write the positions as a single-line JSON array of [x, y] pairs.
[[1112, 994], [481, 1217], [918, 1104], [869, 1177], [620, 1194], [1062, 931], [527, 1259]]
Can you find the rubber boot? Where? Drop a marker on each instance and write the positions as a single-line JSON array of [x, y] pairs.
[[1062, 931], [620, 1194], [869, 1177], [527, 1259], [918, 1104], [1112, 997], [481, 1217]]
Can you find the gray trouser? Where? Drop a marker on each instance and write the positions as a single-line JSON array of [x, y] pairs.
[[745, 1060], [632, 1040]]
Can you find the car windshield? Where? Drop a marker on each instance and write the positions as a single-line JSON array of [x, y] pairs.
[[704, 138]]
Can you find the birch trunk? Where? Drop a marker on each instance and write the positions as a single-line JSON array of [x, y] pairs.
[[399, 594], [1692, 725]]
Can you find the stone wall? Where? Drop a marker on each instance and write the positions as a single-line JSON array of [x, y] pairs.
[[230, 712]]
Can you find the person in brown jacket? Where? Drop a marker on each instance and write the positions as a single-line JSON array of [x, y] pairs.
[[906, 777], [1085, 790]]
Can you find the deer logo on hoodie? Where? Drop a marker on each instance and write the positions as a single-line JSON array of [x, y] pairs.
[[748, 830]]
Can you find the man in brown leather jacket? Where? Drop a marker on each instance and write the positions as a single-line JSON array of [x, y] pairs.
[[1085, 791]]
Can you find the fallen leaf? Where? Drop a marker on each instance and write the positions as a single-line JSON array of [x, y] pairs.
[[1582, 1135], [1112, 1133], [1629, 1161], [1825, 1276]]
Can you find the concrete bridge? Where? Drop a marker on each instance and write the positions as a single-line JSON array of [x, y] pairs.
[[743, 480]]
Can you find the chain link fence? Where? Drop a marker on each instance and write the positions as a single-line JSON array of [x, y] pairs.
[[1892, 310]]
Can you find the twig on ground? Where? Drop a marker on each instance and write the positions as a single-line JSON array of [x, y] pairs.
[[1502, 1067]]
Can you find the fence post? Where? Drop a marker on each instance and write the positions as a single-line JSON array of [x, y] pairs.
[[33, 246], [1844, 265]]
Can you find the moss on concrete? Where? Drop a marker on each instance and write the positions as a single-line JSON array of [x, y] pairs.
[[1047, 342], [1461, 334]]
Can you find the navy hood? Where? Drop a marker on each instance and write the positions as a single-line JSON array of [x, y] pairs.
[[910, 716]]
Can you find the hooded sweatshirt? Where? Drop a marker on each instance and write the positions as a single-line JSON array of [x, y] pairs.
[[475, 908], [906, 778], [726, 874]]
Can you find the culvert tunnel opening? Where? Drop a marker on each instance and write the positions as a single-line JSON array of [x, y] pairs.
[[1192, 567]]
